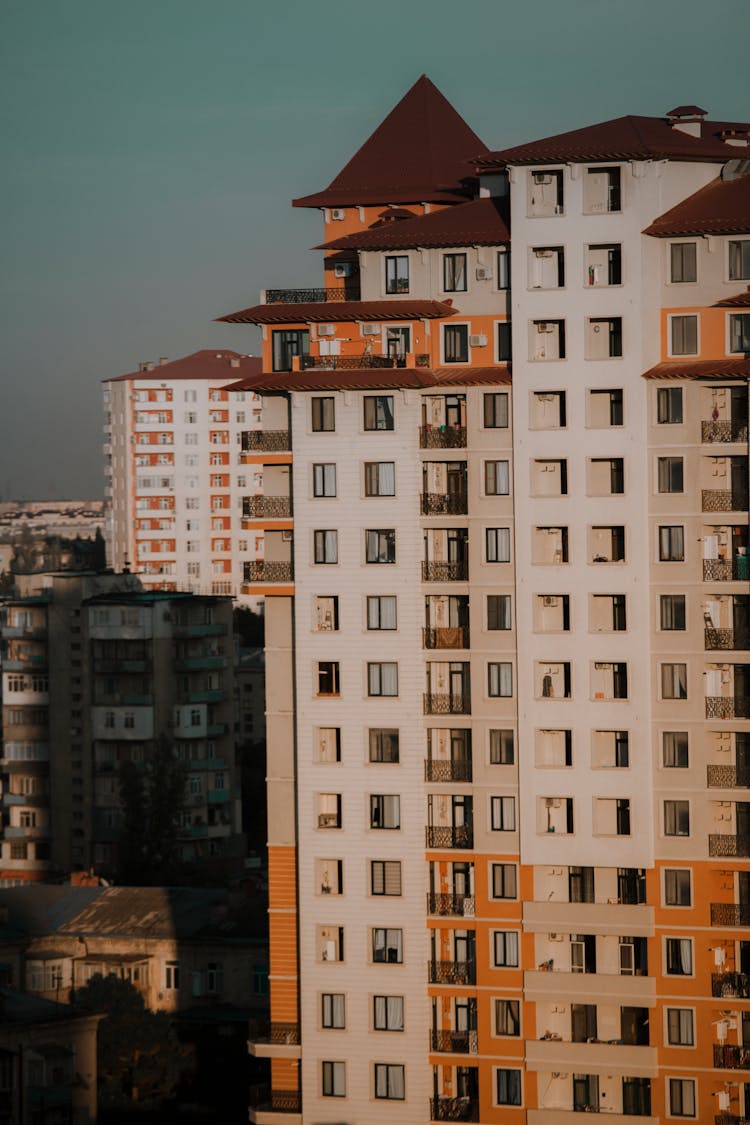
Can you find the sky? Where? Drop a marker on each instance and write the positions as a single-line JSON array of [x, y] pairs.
[[150, 150]]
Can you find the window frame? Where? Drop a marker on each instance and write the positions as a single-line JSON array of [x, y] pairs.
[[384, 1024], [501, 880], [375, 679], [378, 744], [321, 546], [682, 339], [380, 551], [382, 871], [492, 539], [324, 479], [682, 246], [500, 678], [378, 414], [503, 814], [458, 351], [374, 612], [380, 1069], [373, 484], [451, 259], [396, 273], [506, 944], [333, 1078]]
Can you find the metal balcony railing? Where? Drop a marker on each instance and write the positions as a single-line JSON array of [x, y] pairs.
[[730, 1119], [444, 504], [454, 636], [312, 296], [439, 570], [265, 441], [726, 638], [724, 500], [452, 972], [731, 984], [727, 707], [728, 777], [261, 571], [726, 570], [266, 507], [442, 437], [442, 703], [461, 906], [346, 362], [730, 914], [721, 431], [437, 769], [446, 836], [454, 1042], [731, 1058], [454, 1109], [727, 844]]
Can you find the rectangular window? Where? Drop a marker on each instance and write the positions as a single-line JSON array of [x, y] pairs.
[[683, 265], [502, 748], [500, 680], [328, 677], [323, 415], [581, 884], [669, 406], [604, 337], [385, 810], [676, 818], [333, 1010], [389, 1081], [739, 332], [677, 887], [498, 611], [679, 956], [505, 946], [671, 544], [507, 1017], [397, 274], [674, 681], [385, 876], [326, 613], [508, 1087], [503, 814], [172, 976], [683, 335], [380, 478], [380, 546], [381, 612], [454, 273], [504, 342], [496, 411], [497, 544], [504, 880], [672, 612], [503, 269], [326, 546], [329, 744], [388, 1013], [334, 1079], [324, 480], [675, 749], [288, 343], [739, 260], [680, 1027], [383, 745], [387, 946], [382, 679], [682, 1097], [378, 412], [670, 474], [497, 478], [456, 343]]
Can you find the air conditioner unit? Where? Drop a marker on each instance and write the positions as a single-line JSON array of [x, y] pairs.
[[344, 269], [370, 329], [478, 341], [724, 1101], [552, 802], [542, 253], [541, 178], [338, 213], [326, 330], [549, 602], [555, 937], [484, 273]]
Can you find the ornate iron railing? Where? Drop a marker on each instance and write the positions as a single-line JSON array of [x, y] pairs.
[[345, 362], [723, 431], [444, 904], [440, 571], [454, 1042], [437, 769], [455, 636], [730, 914], [728, 777], [727, 707], [454, 1109], [261, 571], [446, 836], [731, 1058], [727, 844], [723, 500], [314, 296], [444, 504], [265, 441], [726, 638], [442, 437], [452, 972], [266, 507], [730, 1119], [286, 1101], [731, 984], [441, 703]]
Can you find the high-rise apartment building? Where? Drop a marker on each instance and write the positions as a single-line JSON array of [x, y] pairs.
[[508, 649]]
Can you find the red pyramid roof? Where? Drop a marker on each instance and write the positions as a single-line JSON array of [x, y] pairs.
[[208, 363], [421, 152]]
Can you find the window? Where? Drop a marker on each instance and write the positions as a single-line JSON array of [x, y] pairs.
[[604, 337], [326, 613], [602, 190], [603, 264], [498, 611], [545, 192], [381, 612], [387, 946], [672, 612], [383, 745], [606, 476], [385, 811], [329, 810], [333, 1010], [546, 267], [288, 343], [389, 1081], [385, 876], [682, 1097], [497, 544], [670, 474], [328, 677], [505, 949], [172, 976], [547, 339], [380, 478], [504, 881], [503, 814], [324, 480], [683, 335], [669, 406], [683, 265], [507, 1017], [503, 269], [388, 1013], [502, 751], [497, 478], [739, 260], [610, 749], [496, 411], [378, 412], [329, 744], [325, 546], [675, 749], [380, 546], [676, 818], [671, 544], [500, 680], [456, 343], [508, 1087], [454, 273], [397, 274], [323, 415], [605, 408], [611, 816], [679, 956], [334, 1079], [581, 884], [504, 342], [680, 1027], [674, 681], [677, 887], [739, 332]]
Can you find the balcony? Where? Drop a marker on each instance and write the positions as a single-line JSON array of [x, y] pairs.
[[726, 639], [731, 985], [442, 437], [199, 629], [266, 441], [730, 1119], [723, 500], [346, 362], [446, 836], [726, 844], [442, 571], [444, 504], [611, 918], [452, 972], [731, 1058], [443, 703], [266, 507], [728, 777], [726, 570], [199, 663], [727, 707], [276, 1040], [118, 666], [454, 1042], [454, 1109], [266, 1104], [258, 571], [456, 636], [558, 985], [437, 769], [446, 905], [614, 1057], [349, 292], [730, 914], [723, 432]]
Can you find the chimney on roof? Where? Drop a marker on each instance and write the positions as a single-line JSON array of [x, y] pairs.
[[162, 360], [234, 361], [739, 138], [687, 118]]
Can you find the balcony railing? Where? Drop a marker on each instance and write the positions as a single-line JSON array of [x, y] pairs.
[[726, 638], [726, 844], [726, 570], [265, 441], [439, 570], [454, 1109], [442, 703], [313, 296], [346, 362], [442, 437], [731, 1058], [444, 504], [712, 432], [730, 1119], [438, 769], [446, 905], [454, 1042], [452, 972], [723, 500], [267, 507], [455, 636], [258, 571], [446, 836], [730, 914], [731, 984], [727, 706], [728, 777]]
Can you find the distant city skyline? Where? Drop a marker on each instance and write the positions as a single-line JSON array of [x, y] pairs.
[[151, 153]]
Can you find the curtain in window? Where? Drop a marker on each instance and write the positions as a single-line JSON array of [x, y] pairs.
[[386, 478]]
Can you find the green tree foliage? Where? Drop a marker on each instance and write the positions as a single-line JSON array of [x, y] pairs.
[[153, 800], [250, 627]]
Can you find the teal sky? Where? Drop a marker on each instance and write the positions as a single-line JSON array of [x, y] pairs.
[[150, 150]]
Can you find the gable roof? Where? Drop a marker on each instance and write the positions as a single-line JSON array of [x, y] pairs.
[[334, 312], [482, 222], [208, 363], [376, 378], [623, 138], [721, 207], [421, 152]]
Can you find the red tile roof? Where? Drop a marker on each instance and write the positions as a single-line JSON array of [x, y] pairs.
[[482, 222], [701, 369], [721, 207], [334, 312], [624, 138], [421, 152], [209, 363], [376, 378], [740, 301]]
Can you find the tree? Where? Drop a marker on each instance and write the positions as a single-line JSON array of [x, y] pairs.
[[153, 800], [250, 627]]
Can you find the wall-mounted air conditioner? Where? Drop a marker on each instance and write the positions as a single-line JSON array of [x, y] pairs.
[[478, 341], [484, 273], [370, 329], [343, 269], [549, 602], [326, 330], [338, 213]]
